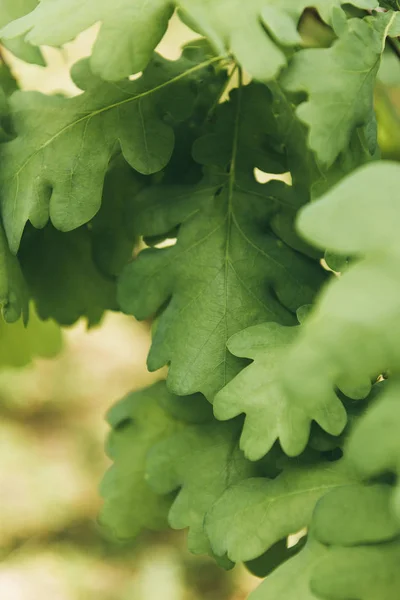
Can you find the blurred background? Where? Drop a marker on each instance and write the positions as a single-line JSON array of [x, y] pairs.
[[52, 427]]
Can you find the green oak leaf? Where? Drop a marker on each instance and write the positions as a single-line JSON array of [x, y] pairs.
[[129, 33], [225, 222], [362, 532], [130, 30], [55, 167], [138, 423], [253, 515], [201, 461], [291, 581], [362, 572], [10, 11], [355, 515], [351, 335], [339, 82], [63, 280], [271, 413], [374, 446]]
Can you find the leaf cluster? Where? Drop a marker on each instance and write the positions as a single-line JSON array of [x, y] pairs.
[[202, 194]]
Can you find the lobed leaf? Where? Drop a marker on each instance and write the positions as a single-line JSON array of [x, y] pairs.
[[271, 412], [130, 30], [342, 99], [10, 11], [201, 462], [253, 515], [374, 446], [226, 222], [56, 165], [351, 336]]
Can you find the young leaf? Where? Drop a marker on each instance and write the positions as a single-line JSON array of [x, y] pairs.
[[339, 82], [351, 336], [202, 462], [56, 165], [362, 572], [225, 222], [14, 9], [129, 33], [291, 581], [374, 447], [253, 515], [272, 413], [132, 29], [138, 422], [355, 515]]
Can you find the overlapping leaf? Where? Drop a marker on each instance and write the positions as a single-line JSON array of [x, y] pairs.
[[131, 29], [291, 581], [139, 422], [374, 447], [10, 11], [271, 412], [62, 278], [364, 553], [253, 515], [113, 228], [224, 225], [351, 336], [339, 82], [56, 165], [201, 462]]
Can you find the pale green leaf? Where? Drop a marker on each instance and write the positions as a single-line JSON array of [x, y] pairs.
[[374, 447], [339, 82], [291, 581], [201, 462], [351, 336], [355, 515], [271, 412], [363, 572], [138, 422], [131, 29], [10, 10], [251, 516]]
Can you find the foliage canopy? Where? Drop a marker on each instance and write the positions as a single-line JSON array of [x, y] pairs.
[[203, 194]]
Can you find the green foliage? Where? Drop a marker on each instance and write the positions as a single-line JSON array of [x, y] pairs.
[[201, 194], [202, 462], [221, 220], [271, 412], [55, 22], [14, 9], [55, 167], [253, 515]]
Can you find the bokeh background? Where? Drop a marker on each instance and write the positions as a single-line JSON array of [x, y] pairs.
[[52, 427]]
